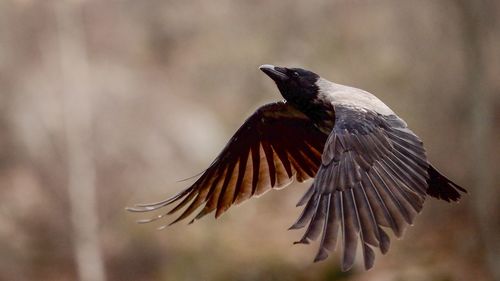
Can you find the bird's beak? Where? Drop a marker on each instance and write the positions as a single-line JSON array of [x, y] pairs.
[[278, 74]]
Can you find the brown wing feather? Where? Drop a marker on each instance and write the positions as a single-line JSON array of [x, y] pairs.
[[274, 145]]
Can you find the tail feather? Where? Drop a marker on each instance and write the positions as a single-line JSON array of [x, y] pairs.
[[441, 187]]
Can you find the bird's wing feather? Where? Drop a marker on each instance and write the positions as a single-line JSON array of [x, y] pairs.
[[274, 145], [373, 175]]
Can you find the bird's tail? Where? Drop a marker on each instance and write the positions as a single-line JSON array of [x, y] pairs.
[[441, 187]]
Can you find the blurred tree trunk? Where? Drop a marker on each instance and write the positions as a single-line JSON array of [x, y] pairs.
[[476, 21], [76, 95]]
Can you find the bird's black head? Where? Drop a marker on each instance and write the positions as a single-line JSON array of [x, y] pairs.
[[295, 84], [300, 88]]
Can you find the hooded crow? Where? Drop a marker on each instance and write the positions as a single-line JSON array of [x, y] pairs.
[[370, 170]]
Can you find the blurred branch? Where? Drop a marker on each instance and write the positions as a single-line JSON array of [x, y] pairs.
[[474, 16], [76, 91]]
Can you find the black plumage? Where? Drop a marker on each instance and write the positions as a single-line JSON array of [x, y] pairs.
[[370, 171]]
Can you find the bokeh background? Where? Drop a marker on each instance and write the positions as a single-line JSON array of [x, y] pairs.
[[104, 104]]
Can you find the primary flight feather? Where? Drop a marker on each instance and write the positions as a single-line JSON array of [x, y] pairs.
[[370, 171]]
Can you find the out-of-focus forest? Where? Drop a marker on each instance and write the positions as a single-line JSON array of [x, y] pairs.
[[104, 104]]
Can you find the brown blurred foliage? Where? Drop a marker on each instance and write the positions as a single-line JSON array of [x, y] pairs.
[[141, 94]]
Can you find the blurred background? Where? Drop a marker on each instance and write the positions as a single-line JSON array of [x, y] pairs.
[[104, 104]]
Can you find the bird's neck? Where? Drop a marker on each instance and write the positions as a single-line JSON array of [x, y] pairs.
[[320, 111]]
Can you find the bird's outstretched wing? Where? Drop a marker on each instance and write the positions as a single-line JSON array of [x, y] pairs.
[[274, 145], [373, 175]]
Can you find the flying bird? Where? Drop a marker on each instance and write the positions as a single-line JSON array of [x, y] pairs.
[[370, 171]]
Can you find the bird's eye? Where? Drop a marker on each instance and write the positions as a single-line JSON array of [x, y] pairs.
[[295, 74]]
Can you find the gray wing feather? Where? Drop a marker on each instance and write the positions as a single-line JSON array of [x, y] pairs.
[[373, 175]]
